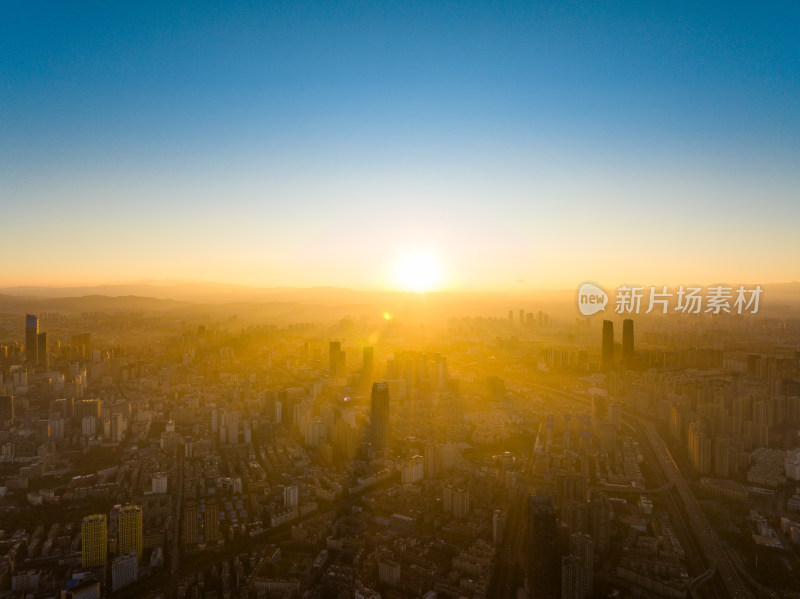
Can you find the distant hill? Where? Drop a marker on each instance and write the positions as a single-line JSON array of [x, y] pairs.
[[295, 304], [88, 303]]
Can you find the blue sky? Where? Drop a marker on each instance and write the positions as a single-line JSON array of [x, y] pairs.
[[269, 143]]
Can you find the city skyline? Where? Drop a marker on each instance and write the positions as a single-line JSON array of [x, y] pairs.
[[510, 146]]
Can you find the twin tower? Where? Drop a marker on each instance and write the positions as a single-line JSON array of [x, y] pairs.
[[608, 342]]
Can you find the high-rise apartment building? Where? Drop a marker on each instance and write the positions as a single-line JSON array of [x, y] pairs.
[[130, 530], [94, 540], [543, 559]]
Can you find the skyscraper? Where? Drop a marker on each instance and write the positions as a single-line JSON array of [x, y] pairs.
[[31, 339], [380, 415], [94, 541], [334, 347], [42, 355], [337, 359], [130, 530], [608, 343], [211, 526], [369, 360], [544, 569], [627, 339]]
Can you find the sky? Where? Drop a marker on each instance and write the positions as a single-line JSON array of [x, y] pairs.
[[502, 145]]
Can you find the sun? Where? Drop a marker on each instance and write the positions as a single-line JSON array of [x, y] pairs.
[[418, 271]]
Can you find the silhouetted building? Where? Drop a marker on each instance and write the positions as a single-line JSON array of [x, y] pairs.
[[31, 338], [42, 355], [380, 415], [627, 339], [544, 571], [369, 360], [337, 360], [608, 343]]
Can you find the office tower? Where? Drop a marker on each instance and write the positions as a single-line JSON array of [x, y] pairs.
[[337, 360], [94, 541], [43, 355], [543, 562], [31, 339], [190, 523], [130, 530], [608, 343], [211, 525], [627, 339], [379, 424], [340, 371], [369, 360], [6, 408]]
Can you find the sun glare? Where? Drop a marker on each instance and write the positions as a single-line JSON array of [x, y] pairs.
[[417, 271]]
